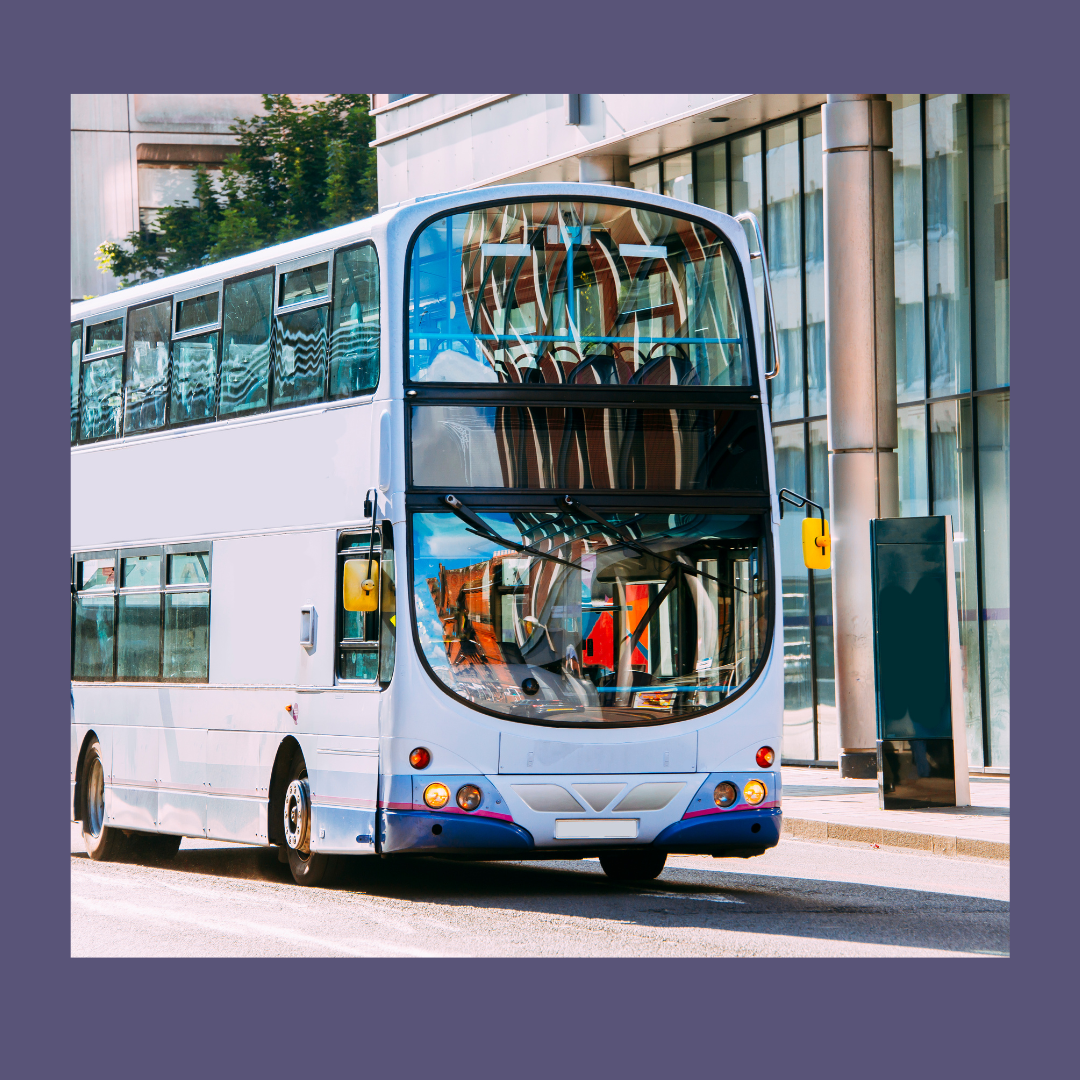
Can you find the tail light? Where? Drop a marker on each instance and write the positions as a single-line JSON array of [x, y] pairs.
[[420, 758], [765, 757]]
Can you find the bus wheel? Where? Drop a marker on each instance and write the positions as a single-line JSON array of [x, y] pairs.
[[307, 867], [103, 842], [633, 865]]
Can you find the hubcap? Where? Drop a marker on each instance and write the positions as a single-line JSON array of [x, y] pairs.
[[297, 815], [95, 798]]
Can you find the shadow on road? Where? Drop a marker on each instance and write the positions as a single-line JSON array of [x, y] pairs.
[[680, 898]]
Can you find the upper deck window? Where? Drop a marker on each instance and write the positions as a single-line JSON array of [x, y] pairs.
[[582, 294]]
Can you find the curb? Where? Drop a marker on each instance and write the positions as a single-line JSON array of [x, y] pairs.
[[949, 846]]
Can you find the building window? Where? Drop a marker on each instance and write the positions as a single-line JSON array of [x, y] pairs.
[[951, 182], [167, 175]]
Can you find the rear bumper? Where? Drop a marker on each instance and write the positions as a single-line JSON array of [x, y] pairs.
[[723, 834], [419, 832]]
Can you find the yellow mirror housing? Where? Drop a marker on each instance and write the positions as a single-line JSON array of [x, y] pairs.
[[816, 543], [360, 587]]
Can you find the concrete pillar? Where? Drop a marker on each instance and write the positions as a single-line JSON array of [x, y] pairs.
[[606, 169], [860, 347]]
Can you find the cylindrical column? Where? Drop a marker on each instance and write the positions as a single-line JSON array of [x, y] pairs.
[[860, 349], [605, 169]]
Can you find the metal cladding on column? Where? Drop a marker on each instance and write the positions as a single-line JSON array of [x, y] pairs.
[[605, 169], [860, 347]]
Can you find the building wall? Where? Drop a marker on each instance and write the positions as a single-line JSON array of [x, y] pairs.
[[112, 135], [951, 165], [428, 143]]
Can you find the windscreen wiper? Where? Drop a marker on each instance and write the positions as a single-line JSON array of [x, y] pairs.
[[579, 509], [478, 527]]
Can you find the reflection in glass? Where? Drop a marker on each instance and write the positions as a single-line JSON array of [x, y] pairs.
[[990, 139], [138, 636], [140, 571], [148, 367], [354, 334], [300, 357], [746, 195], [782, 173], [574, 293], [953, 493], [94, 636], [994, 490], [679, 177], [105, 335], [712, 177], [908, 247], [911, 460], [196, 311], [102, 397], [245, 361], [580, 448], [824, 677], [790, 456], [187, 636], [814, 239], [623, 637], [647, 178], [97, 574], [947, 243], [305, 284], [76, 364], [190, 568], [193, 393]]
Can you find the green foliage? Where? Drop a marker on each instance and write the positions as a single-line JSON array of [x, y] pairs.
[[295, 171]]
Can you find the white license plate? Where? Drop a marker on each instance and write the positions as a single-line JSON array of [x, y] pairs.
[[596, 828]]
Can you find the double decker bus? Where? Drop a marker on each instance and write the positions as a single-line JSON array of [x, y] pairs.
[[448, 532]]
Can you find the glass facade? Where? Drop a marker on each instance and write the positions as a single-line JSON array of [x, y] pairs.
[[951, 179]]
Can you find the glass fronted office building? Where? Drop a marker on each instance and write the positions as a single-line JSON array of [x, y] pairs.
[[951, 259]]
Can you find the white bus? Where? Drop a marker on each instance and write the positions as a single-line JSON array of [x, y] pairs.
[[447, 532]]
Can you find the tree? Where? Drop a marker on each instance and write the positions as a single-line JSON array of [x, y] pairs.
[[296, 170]]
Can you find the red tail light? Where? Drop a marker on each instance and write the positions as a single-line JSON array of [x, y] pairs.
[[420, 758], [765, 757]]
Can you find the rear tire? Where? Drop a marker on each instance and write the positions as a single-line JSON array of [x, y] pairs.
[[633, 865], [103, 843], [306, 866]]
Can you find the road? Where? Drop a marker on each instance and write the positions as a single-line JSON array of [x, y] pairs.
[[800, 899]]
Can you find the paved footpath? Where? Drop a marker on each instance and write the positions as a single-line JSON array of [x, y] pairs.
[[820, 805]]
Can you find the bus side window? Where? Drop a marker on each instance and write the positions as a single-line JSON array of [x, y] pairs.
[[245, 360], [387, 608], [94, 655], [354, 332]]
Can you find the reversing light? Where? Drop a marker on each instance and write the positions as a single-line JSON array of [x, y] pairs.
[[436, 796], [469, 796], [725, 794], [753, 791], [420, 758], [765, 757]]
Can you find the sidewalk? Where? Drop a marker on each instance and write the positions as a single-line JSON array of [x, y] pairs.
[[821, 805]]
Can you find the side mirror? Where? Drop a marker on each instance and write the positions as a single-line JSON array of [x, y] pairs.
[[816, 543], [360, 587]]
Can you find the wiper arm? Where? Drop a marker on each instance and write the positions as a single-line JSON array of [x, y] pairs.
[[479, 527], [578, 508]]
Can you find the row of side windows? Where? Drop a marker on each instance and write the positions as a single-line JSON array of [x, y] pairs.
[[141, 615], [275, 339]]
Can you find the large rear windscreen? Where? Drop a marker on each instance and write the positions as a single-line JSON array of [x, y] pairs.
[[579, 294]]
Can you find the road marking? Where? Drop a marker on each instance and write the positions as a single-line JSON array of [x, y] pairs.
[[244, 927]]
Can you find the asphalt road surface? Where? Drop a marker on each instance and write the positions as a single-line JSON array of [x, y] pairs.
[[800, 899]]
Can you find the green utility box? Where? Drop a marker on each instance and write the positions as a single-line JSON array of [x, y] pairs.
[[921, 739]]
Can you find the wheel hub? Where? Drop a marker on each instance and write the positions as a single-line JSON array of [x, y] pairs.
[[297, 815]]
